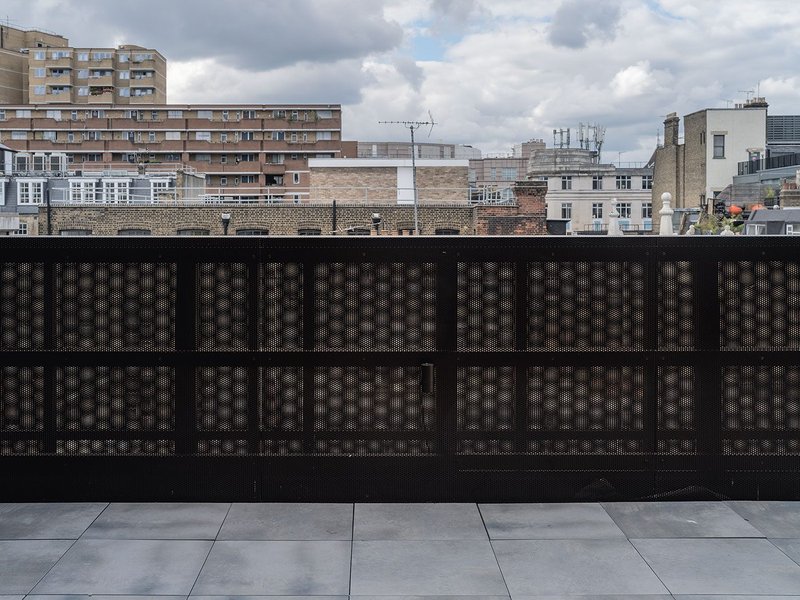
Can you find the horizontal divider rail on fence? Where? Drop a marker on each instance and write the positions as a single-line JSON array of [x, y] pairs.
[[299, 368]]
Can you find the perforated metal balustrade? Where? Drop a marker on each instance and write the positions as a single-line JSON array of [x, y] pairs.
[[293, 368]]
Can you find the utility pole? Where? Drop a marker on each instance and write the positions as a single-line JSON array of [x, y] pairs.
[[412, 127]]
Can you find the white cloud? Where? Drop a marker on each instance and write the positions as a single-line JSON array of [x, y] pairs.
[[512, 70]]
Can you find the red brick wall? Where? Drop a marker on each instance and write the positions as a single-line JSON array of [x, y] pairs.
[[527, 217]]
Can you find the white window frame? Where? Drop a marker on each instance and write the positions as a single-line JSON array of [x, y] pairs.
[[597, 210], [54, 114], [23, 229], [647, 182], [566, 210], [174, 114], [296, 178], [172, 135], [324, 114], [323, 136], [624, 209], [623, 182], [116, 189], [23, 113], [19, 135], [202, 136], [158, 185], [647, 210], [566, 182], [125, 75], [3, 182], [151, 136], [30, 191], [205, 114], [82, 190]]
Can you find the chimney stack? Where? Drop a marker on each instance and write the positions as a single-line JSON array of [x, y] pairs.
[[671, 129]]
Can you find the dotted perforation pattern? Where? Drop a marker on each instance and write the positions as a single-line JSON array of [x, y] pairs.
[[282, 403], [677, 410], [375, 306], [586, 398], [676, 313], [283, 306], [222, 306], [21, 399], [115, 399], [116, 447], [115, 306], [586, 305], [21, 306], [759, 304], [485, 310], [485, 398], [371, 399], [221, 399], [761, 398]]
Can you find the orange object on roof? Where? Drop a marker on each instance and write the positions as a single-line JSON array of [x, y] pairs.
[[735, 210]]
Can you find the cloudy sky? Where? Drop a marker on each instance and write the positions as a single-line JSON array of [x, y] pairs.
[[492, 72]]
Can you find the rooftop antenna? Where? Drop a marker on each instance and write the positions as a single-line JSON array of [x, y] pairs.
[[749, 94], [728, 103], [412, 126]]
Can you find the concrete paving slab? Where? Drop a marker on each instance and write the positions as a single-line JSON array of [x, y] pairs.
[[679, 520], [599, 597], [293, 521], [790, 548], [721, 566], [50, 521], [276, 568], [422, 568], [773, 519], [133, 567], [24, 562], [418, 522], [461, 597], [574, 567], [159, 521], [96, 597], [264, 598], [548, 521], [735, 597]]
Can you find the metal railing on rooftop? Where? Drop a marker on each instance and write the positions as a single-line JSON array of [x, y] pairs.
[[404, 369]]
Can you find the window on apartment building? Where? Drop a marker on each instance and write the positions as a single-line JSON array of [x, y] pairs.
[[248, 114], [172, 135], [205, 114], [142, 92], [623, 182], [193, 231], [83, 91], [252, 231], [92, 157], [295, 115], [174, 114], [324, 136], [81, 190], [226, 115], [3, 181], [223, 159], [123, 58], [566, 210], [223, 181], [102, 55], [159, 189], [23, 229], [134, 231], [116, 190], [19, 135], [202, 136], [30, 191], [493, 173], [719, 146], [249, 179], [202, 157], [83, 56], [23, 114], [624, 210], [647, 210], [293, 156], [39, 90], [305, 137], [50, 136], [54, 114], [324, 114], [223, 137], [151, 136], [172, 157], [509, 174], [293, 137], [246, 136], [39, 72], [276, 159], [647, 182], [73, 115], [70, 137], [295, 178], [597, 182], [75, 231], [566, 182], [278, 114], [93, 136], [124, 74], [124, 92], [2, 115], [246, 157], [597, 210], [39, 55], [154, 115]]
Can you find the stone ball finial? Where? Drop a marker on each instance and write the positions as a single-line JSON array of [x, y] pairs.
[[666, 197]]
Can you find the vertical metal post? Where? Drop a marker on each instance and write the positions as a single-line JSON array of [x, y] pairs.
[[709, 372], [414, 181], [185, 340], [49, 211]]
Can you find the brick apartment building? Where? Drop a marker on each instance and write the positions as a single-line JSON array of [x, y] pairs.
[[101, 105]]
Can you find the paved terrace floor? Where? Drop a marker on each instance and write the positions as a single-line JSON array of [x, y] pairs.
[[518, 551]]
